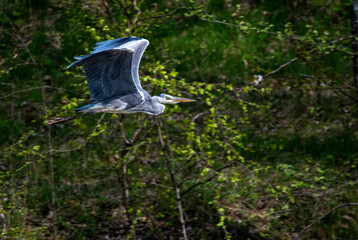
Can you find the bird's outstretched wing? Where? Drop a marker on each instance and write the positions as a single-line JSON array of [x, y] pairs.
[[112, 68]]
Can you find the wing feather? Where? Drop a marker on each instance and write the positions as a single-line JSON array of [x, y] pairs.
[[112, 68], [138, 45]]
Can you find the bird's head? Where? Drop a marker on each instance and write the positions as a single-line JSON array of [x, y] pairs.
[[165, 98]]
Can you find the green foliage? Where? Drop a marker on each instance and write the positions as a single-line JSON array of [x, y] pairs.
[[256, 157]]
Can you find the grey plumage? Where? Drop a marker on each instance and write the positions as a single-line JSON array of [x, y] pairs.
[[112, 76]]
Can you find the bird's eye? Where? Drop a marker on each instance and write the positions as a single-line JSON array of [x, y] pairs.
[[167, 98]]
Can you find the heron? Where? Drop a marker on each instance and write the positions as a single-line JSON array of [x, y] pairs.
[[112, 76]]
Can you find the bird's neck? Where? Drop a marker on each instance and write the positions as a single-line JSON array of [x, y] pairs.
[[157, 107]]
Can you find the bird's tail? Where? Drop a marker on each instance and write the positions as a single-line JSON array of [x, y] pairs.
[[62, 120], [84, 108]]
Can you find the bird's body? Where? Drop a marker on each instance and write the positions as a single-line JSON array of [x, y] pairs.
[[112, 76]]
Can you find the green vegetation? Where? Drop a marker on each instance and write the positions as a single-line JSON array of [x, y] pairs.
[[270, 145]]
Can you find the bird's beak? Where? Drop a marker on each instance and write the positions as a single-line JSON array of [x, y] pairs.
[[177, 99]]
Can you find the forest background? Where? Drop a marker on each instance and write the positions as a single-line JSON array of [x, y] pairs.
[[268, 148]]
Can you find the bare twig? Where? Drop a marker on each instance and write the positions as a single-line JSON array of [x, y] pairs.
[[181, 181], [121, 127], [340, 90], [139, 12], [99, 122], [344, 38], [307, 76], [187, 161], [136, 134], [37, 88], [286, 64], [160, 134], [199, 115], [348, 86], [323, 216], [354, 99], [206, 180], [162, 186], [280, 67]]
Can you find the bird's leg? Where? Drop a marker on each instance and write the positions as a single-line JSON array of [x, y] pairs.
[[62, 120]]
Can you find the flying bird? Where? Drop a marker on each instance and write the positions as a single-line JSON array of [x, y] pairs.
[[112, 75]]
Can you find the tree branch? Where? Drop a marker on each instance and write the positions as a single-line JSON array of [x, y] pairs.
[[37, 88], [323, 216], [280, 67], [136, 134], [354, 99], [121, 127], [207, 180]]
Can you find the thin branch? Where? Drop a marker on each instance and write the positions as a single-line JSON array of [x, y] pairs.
[[136, 134], [179, 183], [139, 12], [280, 67], [37, 88], [207, 180], [99, 122], [323, 216], [23, 90], [307, 76], [286, 64], [199, 115], [348, 95], [122, 130], [348, 86], [187, 161], [160, 134], [162, 186], [344, 38], [354, 99]]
